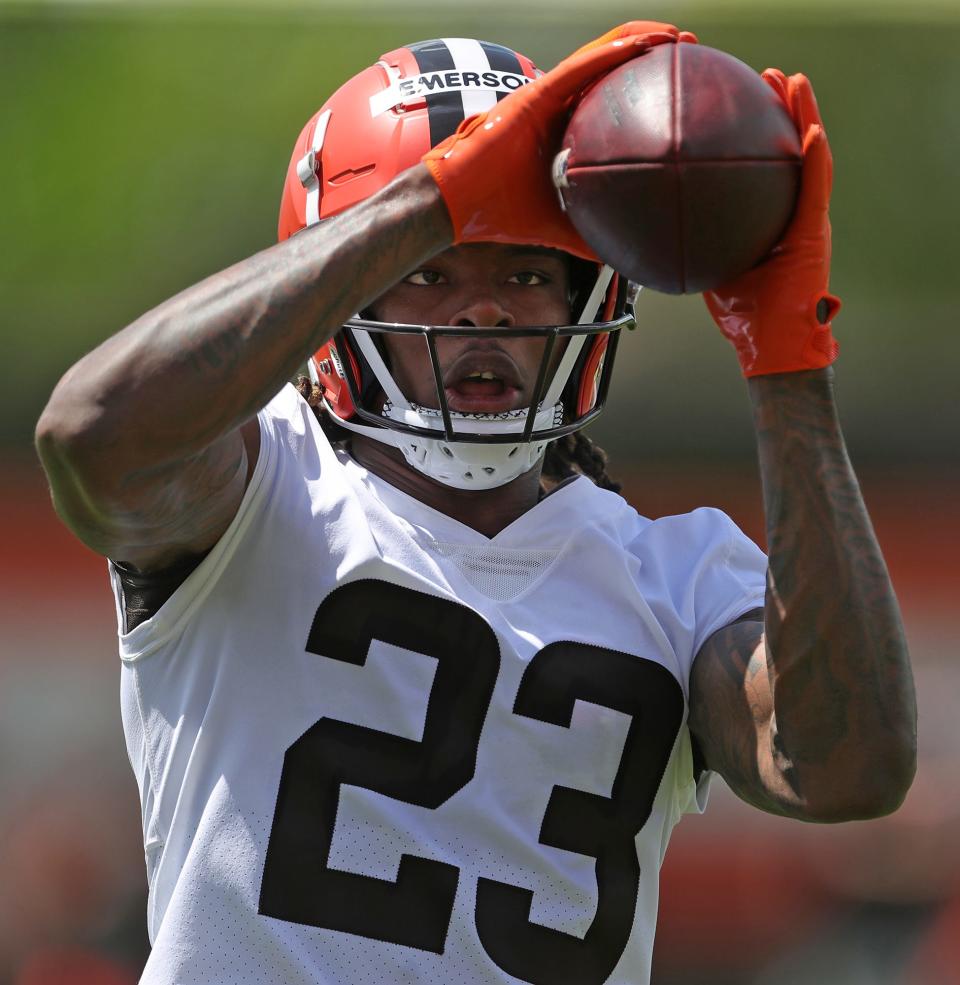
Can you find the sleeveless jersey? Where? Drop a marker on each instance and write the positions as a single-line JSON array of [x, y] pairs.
[[375, 746]]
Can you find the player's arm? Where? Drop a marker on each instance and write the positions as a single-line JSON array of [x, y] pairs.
[[149, 440], [810, 713], [809, 710]]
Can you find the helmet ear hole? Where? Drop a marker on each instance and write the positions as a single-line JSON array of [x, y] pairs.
[[331, 363]]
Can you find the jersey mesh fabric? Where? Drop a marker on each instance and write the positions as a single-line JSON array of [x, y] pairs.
[[498, 572], [234, 690]]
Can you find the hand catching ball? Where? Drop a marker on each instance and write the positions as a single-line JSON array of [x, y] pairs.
[[680, 168]]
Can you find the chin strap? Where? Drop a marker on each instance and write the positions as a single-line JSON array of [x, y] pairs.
[[464, 464]]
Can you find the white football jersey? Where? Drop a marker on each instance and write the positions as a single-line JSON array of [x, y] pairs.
[[375, 746]]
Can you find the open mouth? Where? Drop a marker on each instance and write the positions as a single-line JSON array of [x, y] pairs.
[[483, 382]]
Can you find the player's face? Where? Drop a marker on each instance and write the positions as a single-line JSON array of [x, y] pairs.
[[483, 284]]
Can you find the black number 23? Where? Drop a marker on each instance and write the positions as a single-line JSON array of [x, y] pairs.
[[299, 886]]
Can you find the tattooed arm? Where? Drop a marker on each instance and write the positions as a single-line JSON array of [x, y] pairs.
[[149, 440], [807, 708]]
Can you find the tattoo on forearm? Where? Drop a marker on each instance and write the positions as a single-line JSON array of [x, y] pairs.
[[838, 660], [811, 711]]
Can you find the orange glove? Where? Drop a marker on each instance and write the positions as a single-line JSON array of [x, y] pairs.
[[494, 172], [778, 314]]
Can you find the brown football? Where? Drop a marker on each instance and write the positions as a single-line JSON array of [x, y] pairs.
[[680, 168]]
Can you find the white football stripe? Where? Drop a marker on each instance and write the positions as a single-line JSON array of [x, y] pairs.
[[468, 56]]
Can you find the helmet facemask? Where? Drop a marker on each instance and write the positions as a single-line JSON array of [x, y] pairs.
[[476, 450]]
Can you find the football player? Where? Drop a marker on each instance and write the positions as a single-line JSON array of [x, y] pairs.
[[409, 697]]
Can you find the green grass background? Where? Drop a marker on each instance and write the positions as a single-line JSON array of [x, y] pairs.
[[144, 146]]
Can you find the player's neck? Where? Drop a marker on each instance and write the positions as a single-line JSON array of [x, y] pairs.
[[487, 511]]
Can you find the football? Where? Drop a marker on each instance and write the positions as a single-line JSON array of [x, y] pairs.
[[680, 168]]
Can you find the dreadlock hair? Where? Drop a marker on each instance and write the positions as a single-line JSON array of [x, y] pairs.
[[576, 454], [573, 454]]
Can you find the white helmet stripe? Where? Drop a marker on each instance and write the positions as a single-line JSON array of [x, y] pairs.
[[311, 184], [468, 56]]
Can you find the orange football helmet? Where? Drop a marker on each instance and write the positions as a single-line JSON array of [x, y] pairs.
[[379, 123]]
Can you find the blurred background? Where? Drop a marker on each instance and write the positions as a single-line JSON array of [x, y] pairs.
[[144, 146]]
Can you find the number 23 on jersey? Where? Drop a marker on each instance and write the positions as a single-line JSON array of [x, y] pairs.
[[299, 886]]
